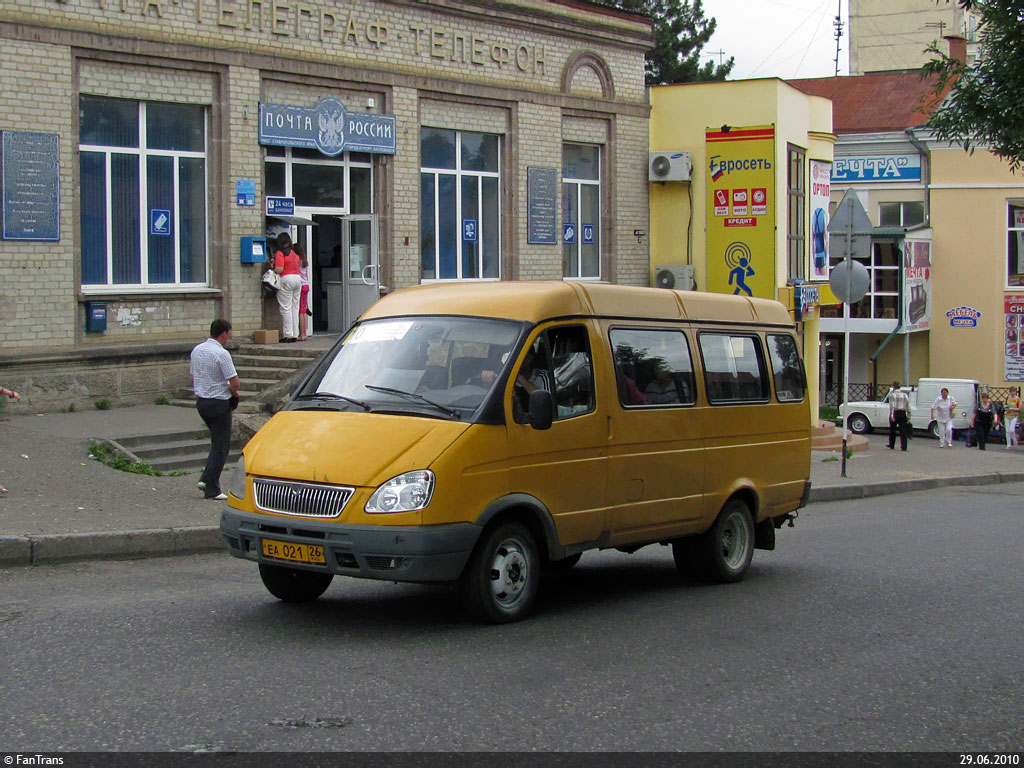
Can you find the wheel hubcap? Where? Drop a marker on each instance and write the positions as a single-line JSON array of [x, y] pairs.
[[735, 541], [510, 572]]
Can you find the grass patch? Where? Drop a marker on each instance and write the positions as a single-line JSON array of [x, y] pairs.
[[104, 454], [828, 413], [102, 404], [163, 400]]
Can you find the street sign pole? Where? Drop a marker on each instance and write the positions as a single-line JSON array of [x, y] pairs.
[[846, 332]]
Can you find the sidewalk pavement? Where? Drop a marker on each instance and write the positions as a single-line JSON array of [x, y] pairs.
[[62, 505]]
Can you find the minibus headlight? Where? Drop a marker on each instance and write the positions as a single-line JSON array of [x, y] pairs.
[[237, 486], [407, 492]]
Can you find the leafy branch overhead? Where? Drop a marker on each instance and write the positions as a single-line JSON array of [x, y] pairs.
[[985, 103], [680, 34]]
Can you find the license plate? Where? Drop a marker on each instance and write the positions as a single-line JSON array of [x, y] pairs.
[[297, 553]]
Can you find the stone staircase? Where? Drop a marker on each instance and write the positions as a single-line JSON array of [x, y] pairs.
[[260, 368], [826, 436]]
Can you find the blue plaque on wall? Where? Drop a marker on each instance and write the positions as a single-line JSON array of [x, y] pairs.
[[31, 185], [542, 205]]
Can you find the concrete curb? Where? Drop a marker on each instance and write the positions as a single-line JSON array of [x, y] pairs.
[[888, 487], [50, 549]]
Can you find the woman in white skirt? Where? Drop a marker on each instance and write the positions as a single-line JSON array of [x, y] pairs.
[[286, 264]]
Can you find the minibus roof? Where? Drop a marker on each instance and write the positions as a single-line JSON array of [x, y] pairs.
[[536, 301]]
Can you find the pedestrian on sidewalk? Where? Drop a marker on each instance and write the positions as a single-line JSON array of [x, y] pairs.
[[305, 306], [899, 411], [215, 383], [5, 392], [1011, 414], [983, 419], [286, 264], [943, 411]]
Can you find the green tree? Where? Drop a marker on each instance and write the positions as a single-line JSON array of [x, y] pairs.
[[985, 103], [680, 33]]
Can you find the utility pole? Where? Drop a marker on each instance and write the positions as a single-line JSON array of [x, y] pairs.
[[719, 54], [838, 24]]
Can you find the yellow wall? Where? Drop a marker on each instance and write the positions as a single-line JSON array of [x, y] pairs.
[[969, 216], [680, 114]]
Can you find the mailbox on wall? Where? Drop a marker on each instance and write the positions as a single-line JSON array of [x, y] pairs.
[[95, 316], [254, 250]]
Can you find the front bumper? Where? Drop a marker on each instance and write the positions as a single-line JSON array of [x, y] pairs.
[[429, 553]]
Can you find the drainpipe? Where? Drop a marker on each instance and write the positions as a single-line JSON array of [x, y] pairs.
[[925, 153]]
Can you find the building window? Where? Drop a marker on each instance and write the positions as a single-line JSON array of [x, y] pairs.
[[881, 302], [581, 211], [900, 214], [1015, 243], [460, 233], [796, 187], [143, 193], [343, 183]]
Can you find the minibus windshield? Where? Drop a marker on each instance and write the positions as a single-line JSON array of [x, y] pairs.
[[440, 367]]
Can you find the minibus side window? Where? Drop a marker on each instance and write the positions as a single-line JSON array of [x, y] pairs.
[[733, 368], [558, 361], [787, 369], [652, 367]]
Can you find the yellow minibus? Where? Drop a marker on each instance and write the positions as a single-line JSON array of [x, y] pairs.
[[481, 434]]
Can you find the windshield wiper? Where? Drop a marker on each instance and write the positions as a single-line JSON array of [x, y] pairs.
[[332, 396], [415, 396]]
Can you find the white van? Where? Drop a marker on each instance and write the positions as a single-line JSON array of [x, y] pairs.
[[864, 416]]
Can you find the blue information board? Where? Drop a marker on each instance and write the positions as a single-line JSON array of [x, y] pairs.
[[159, 221], [469, 230], [280, 206], [31, 184]]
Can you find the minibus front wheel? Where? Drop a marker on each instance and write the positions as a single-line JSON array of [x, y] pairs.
[[501, 577], [293, 585]]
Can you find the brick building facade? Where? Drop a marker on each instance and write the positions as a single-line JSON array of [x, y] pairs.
[[160, 166]]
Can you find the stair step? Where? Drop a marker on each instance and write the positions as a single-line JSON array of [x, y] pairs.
[[197, 461], [160, 439], [178, 448]]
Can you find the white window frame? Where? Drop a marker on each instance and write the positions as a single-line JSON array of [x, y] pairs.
[[344, 160], [577, 189], [459, 174], [903, 211], [142, 153]]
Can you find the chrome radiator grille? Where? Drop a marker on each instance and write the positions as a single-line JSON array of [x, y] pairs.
[[306, 499]]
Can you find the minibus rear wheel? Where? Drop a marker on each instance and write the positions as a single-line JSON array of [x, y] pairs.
[[501, 577], [725, 551], [293, 585]]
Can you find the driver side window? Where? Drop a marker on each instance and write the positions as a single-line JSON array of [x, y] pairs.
[[559, 361]]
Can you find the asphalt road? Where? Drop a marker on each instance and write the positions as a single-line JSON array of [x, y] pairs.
[[887, 624]]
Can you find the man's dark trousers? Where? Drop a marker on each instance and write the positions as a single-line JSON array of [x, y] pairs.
[[217, 415], [899, 421]]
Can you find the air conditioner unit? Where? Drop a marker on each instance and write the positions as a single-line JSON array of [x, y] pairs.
[[677, 276], [669, 166]]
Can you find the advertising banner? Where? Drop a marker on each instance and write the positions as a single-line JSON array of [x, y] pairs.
[[876, 168], [917, 285], [1013, 345], [820, 191], [741, 211]]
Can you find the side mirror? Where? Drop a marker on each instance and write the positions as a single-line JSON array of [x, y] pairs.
[[540, 409]]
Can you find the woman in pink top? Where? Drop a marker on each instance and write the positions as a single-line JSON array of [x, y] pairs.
[[304, 307], [286, 264]]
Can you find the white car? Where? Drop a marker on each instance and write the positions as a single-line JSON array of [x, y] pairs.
[[866, 415]]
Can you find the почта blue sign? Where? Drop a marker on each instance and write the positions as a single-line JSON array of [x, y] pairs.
[[327, 127]]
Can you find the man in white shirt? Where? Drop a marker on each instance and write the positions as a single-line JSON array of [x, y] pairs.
[[215, 382], [899, 416]]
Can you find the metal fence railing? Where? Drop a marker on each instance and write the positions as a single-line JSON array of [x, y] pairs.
[[861, 392]]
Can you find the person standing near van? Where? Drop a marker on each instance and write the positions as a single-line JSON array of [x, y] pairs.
[[1011, 413], [899, 412], [984, 418], [286, 264], [215, 383], [943, 411]]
